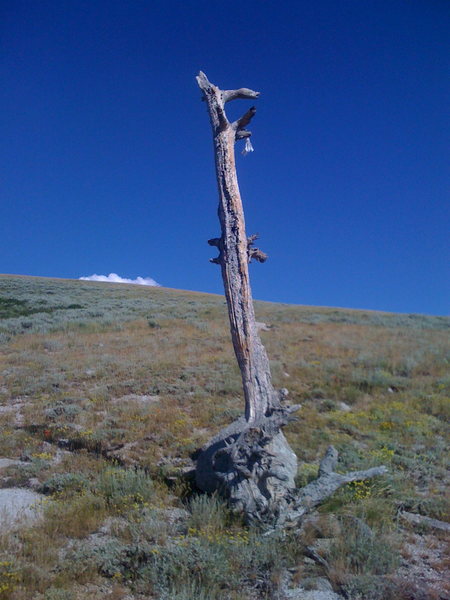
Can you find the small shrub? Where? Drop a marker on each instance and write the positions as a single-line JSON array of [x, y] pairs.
[[54, 593], [194, 562], [62, 482], [360, 552], [349, 394], [377, 587], [307, 472], [60, 409], [9, 578], [208, 513], [187, 591], [34, 467], [75, 518], [153, 324], [326, 405], [12, 307], [151, 527], [124, 488]]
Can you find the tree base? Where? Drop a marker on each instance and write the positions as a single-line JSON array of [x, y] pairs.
[[253, 467], [254, 471]]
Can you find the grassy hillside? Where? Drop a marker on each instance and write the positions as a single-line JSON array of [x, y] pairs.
[[106, 390]]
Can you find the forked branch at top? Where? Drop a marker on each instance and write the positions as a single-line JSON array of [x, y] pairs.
[[213, 96], [217, 98]]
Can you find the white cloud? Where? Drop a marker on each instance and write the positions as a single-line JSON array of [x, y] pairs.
[[114, 278]]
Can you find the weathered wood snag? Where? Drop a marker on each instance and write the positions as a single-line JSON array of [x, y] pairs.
[[250, 462]]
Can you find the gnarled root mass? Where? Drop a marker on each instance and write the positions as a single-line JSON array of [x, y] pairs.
[[253, 467]]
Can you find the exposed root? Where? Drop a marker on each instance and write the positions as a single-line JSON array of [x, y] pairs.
[[253, 466]]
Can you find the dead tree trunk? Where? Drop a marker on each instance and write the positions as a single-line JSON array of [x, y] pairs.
[[235, 252], [250, 462]]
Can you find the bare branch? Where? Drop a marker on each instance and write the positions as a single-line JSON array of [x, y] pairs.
[[245, 119], [243, 93], [329, 461], [328, 482], [361, 475], [415, 519], [257, 254], [203, 81], [217, 242]]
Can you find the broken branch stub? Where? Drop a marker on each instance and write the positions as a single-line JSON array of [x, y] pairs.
[[250, 461]]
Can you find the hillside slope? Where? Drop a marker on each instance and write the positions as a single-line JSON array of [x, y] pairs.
[[107, 390]]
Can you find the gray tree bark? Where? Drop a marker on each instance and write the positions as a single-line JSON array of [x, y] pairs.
[[250, 462], [234, 254]]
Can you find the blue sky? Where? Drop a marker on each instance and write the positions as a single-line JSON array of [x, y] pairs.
[[106, 153]]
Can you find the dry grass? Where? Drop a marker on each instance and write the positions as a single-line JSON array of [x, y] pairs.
[[144, 376]]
